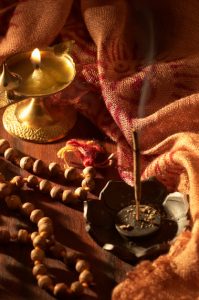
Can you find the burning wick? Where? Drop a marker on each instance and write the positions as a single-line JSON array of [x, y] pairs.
[[136, 173], [36, 58]]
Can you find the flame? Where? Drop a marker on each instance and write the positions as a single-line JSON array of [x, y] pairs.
[[36, 57]]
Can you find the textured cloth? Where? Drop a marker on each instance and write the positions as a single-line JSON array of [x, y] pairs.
[[137, 68]]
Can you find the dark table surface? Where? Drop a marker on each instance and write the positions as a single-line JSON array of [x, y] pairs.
[[16, 279]]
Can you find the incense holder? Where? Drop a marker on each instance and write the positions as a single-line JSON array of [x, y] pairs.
[[102, 219], [127, 225]]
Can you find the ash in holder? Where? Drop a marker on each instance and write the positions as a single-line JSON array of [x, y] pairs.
[[137, 220]]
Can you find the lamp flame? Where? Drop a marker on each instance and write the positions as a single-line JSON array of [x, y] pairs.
[[36, 58]]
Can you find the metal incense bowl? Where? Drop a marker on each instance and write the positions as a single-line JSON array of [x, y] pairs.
[[31, 118], [148, 223]]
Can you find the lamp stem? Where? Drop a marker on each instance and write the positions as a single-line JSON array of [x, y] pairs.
[[136, 173]]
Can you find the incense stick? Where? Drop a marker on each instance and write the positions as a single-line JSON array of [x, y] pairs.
[[136, 173]]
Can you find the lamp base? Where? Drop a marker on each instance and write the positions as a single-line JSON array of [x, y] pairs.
[[29, 120]]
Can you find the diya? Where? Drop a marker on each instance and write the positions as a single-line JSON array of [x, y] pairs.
[[29, 78]]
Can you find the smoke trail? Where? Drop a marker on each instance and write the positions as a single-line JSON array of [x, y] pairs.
[[149, 60]]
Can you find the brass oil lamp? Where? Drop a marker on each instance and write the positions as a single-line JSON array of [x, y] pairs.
[[26, 81]]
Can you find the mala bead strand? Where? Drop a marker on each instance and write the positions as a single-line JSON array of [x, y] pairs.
[[45, 230], [55, 192], [43, 240], [38, 167]]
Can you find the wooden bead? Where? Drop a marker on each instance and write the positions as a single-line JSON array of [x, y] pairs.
[[5, 189], [44, 220], [38, 166], [27, 208], [76, 288], [56, 192], [4, 145], [18, 181], [23, 236], [89, 172], [4, 236], [47, 228], [54, 168], [80, 193], [60, 290], [39, 241], [32, 181], [57, 250], [36, 215], [13, 201], [26, 162], [37, 254], [39, 269], [71, 174], [45, 186], [11, 154], [36, 262], [44, 281], [86, 277], [33, 235], [68, 196], [81, 265], [88, 184]]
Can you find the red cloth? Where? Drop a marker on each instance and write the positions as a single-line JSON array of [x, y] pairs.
[[137, 68]]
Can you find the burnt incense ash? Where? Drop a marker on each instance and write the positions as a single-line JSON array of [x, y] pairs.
[[137, 220]]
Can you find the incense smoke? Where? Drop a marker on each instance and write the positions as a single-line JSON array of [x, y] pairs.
[[149, 60]]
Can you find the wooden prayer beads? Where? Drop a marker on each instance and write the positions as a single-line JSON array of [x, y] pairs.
[[39, 168], [43, 240]]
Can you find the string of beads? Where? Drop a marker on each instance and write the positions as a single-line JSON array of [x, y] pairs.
[[38, 167], [43, 239]]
